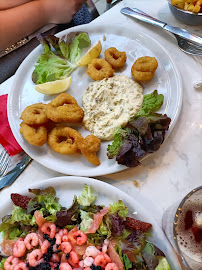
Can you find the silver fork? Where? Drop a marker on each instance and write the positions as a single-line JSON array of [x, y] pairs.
[[5, 160], [188, 42]]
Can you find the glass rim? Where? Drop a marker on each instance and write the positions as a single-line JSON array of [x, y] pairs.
[[178, 211]]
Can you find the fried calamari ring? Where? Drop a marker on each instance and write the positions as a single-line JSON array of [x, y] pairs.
[[64, 108], [143, 76], [34, 135], [35, 114], [115, 58], [62, 140], [144, 68], [99, 69], [146, 63], [89, 147]]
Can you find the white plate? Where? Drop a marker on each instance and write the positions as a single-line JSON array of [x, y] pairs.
[[68, 186], [136, 44]]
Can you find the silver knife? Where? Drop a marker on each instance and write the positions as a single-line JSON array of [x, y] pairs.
[[25, 40], [11, 176], [138, 14]]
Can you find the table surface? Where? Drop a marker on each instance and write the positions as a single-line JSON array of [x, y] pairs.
[[169, 174]]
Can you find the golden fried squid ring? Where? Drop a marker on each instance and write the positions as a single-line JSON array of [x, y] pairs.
[[144, 68], [35, 114], [115, 58], [64, 108], [89, 147], [62, 140], [34, 135], [99, 69]]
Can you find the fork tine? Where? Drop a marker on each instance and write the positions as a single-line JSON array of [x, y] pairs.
[[3, 155], [6, 167], [4, 162]]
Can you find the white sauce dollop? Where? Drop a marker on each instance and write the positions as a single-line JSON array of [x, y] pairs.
[[110, 103]]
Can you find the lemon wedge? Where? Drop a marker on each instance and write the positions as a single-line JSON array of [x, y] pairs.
[[92, 53], [55, 87]]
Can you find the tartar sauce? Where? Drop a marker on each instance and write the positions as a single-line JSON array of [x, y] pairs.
[[110, 103]]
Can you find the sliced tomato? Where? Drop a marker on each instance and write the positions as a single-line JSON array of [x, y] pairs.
[[97, 219], [114, 256], [7, 247]]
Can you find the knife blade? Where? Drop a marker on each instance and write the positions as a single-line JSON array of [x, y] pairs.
[[11, 176], [25, 40], [139, 14]]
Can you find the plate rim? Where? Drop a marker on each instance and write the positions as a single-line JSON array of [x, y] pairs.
[[90, 172], [65, 180]]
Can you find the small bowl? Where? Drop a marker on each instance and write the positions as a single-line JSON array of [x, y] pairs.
[[186, 17]]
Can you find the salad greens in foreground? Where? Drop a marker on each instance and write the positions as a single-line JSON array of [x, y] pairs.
[[127, 237], [59, 57], [142, 135]]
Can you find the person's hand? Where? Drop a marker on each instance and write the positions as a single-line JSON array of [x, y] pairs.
[[60, 11]]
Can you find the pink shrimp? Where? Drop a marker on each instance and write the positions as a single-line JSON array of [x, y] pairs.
[[73, 259], [65, 238], [111, 266], [35, 257], [11, 262], [31, 240], [88, 261], [102, 259], [63, 232], [65, 266], [80, 237], [45, 246], [66, 247], [21, 266], [49, 228], [19, 248], [91, 251], [40, 220], [87, 268], [58, 238]]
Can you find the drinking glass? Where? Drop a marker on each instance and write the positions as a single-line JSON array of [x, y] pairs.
[[182, 224]]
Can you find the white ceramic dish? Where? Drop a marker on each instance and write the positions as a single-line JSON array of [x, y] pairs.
[[68, 186], [167, 81]]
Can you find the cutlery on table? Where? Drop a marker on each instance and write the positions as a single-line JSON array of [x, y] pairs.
[[188, 42], [5, 160], [11, 176]]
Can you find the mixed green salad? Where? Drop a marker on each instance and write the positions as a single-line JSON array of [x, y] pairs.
[[125, 239], [142, 135]]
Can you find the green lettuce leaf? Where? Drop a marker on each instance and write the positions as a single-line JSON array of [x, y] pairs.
[[120, 207], [127, 264], [76, 42], [59, 64], [46, 198], [88, 196], [119, 136], [2, 263], [105, 227], [87, 220], [50, 68], [151, 103], [163, 264]]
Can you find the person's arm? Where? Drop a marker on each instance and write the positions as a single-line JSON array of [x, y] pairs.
[[6, 4], [19, 22]]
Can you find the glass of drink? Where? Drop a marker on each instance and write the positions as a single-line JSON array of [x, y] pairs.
[[182, 223]]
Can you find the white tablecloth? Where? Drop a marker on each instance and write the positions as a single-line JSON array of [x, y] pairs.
[[174, 170]]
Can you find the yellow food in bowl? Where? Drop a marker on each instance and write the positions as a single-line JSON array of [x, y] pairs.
[[188, 5]]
